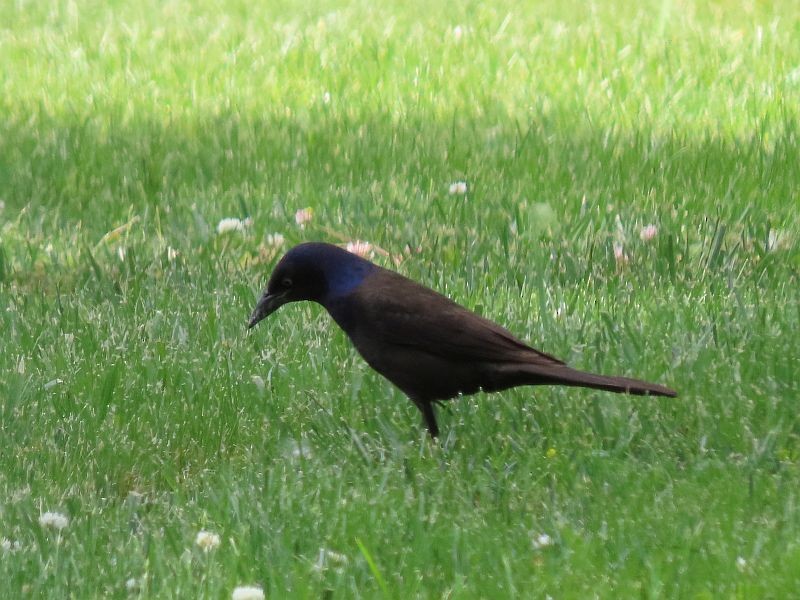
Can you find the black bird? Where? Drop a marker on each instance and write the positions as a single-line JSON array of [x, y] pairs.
[[427, 345]]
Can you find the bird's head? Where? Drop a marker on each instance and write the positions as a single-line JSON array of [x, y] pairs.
[[312, 271]]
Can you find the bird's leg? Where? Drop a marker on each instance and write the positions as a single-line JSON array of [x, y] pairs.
[[426, 408], [442, 404]]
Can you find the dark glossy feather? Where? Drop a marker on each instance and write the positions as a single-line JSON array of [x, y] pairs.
[[427, 345]]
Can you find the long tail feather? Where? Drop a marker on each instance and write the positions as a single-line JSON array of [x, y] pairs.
[[622, 385]]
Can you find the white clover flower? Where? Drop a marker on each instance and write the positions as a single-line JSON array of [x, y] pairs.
[[132, 584], [359, 248], [7, 545], [303, 216], [741, 563], [542, 541], [247, 592], [648, 232], [54, 520], [326, 98], [275, 240], [458, 188], [458, 33], [207, 540], [232, 224]]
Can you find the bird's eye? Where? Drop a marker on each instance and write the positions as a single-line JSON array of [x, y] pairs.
[[286, 282]]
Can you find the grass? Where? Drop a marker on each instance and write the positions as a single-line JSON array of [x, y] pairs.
[[133, 401]]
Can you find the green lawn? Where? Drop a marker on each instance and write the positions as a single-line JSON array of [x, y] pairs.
[[134, 402]]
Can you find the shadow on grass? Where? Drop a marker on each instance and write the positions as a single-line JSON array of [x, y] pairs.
[[95, 171], [385, 178]]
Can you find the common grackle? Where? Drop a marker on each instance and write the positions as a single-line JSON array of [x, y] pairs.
[[427, 345]]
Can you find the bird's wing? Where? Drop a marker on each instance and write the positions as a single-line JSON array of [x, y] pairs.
[[401, 312]]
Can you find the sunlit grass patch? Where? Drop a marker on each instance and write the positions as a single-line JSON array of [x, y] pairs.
[[616, 184]]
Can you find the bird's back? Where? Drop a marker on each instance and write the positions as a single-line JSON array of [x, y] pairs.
[[426, 344]]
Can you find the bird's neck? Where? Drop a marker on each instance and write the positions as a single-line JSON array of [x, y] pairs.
[[341, 298], [343, 279]]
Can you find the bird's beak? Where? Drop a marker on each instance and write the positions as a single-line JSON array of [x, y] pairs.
[[267, 305]]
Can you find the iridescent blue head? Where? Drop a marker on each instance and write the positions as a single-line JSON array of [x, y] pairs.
[[311, 271]]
